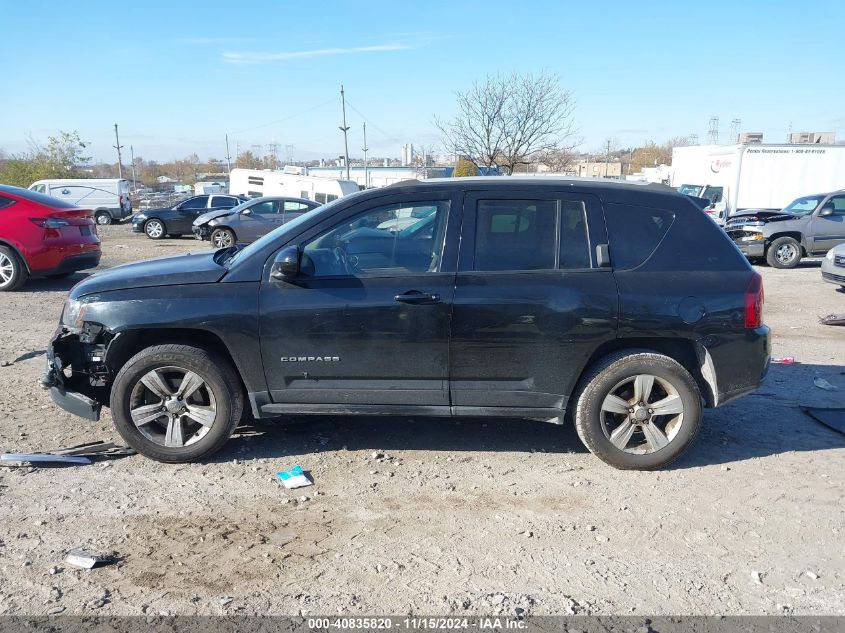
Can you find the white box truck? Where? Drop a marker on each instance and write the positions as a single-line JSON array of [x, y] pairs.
[[265, 182], [108, 198], [755, 176]]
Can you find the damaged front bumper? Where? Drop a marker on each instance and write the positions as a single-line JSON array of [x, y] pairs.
[[202, 232], [76, 372]]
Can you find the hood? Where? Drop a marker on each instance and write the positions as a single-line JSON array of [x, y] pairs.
[[212, 215], [764, 216], [197, 268]]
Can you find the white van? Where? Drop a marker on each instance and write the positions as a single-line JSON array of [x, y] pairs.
[[108, 198]]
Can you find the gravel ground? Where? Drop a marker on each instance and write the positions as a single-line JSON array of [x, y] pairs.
[[423, 516]]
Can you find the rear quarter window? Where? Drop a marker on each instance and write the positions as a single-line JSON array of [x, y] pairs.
[[634, 232], [680, 239]]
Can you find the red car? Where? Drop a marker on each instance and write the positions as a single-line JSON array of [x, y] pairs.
[[41, 236]]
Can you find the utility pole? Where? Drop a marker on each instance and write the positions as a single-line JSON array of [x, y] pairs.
[[228, 158], [344, 128], [365, 149], [607, 159], [134, 176], [118, 147]]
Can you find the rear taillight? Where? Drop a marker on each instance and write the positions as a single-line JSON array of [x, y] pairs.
[[754, 302], [49, 223], [121, 200]]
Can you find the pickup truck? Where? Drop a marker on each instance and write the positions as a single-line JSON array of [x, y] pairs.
[[807, 227]]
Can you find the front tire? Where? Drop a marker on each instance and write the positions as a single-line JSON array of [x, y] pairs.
[[223, 238], [784, 252], [13, 273], [176, 403], [155, 229], [638, 410], [103, 218]]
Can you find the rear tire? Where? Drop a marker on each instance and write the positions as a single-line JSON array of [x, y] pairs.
[[13, 273], [223, 238], [155, 229], [620, 431], [784, 252], [151, 416], [103, 218]]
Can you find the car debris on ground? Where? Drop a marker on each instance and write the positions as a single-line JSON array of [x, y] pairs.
[[78, 454], [833, 319], [86, 559]]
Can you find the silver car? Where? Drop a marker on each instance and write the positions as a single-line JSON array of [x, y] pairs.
[[249, 221], [833, 265]]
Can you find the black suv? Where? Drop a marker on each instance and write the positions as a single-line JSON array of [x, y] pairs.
[[621, 307]]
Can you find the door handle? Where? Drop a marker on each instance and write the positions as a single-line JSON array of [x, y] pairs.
[[417, 298]]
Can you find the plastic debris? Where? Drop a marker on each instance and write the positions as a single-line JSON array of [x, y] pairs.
[[44, 458], [821, 383], [786, 360], [294, 478], [833, 319], [86, 559], [757, 577]]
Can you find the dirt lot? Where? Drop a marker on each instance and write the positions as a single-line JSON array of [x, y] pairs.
[[469, 517]]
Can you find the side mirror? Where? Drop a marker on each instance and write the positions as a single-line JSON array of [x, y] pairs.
[[286, 265], [826, 211], [246, 212]]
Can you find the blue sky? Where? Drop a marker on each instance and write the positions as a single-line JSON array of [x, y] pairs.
[[177, 76]]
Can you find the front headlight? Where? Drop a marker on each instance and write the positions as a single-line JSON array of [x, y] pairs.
[[829, 256], [73, 313], [753, 237]]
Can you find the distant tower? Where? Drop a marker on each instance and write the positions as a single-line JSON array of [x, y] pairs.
[[713, 132], [407, 154], [693, 139], [736, 126]]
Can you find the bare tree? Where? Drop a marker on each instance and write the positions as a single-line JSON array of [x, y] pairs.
[[510, 120]]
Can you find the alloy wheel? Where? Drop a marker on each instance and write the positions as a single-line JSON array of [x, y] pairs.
[[172, 406], [786, 253], [154, 229], [642, 414], [7, 270], [222, 239]]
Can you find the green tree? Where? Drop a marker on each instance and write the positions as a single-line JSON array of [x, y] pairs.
[[464, 168], [61, 157]]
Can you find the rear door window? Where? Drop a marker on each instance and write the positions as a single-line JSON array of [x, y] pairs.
[[515, 235], [634, 232]]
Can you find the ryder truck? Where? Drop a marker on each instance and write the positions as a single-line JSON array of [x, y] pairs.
[[737, 178]]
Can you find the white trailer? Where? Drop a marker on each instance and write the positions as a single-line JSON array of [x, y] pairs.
[[739, 177], [265, 182]]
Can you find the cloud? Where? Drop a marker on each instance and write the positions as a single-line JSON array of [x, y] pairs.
[[256, 58]]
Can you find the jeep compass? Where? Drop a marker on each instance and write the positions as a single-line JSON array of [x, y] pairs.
[[621, 308]]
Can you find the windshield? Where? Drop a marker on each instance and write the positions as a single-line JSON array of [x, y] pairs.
[[278, 235], [803, 206], [691, 190]]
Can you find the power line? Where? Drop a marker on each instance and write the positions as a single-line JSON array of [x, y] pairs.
[[386, 135]]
